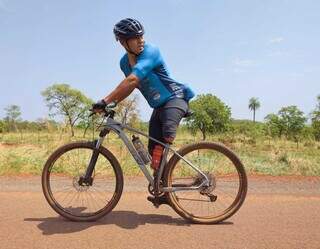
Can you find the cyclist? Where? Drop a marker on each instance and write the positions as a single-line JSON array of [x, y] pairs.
[[145, 69]]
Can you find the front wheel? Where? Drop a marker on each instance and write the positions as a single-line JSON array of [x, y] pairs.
[[71, 198], [223, 193]]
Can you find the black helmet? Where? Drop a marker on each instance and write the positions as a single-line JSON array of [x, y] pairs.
[[128, 28]]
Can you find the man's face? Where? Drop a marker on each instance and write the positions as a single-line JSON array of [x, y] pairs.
[[136, 44]]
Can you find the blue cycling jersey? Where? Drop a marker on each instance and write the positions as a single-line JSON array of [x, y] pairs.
[[155, 84]]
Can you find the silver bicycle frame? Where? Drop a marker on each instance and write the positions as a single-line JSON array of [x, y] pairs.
[[118, 128]]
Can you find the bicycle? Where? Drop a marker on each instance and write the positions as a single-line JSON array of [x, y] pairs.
[[204, 182]]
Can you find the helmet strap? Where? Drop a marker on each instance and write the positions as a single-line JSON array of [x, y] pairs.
[[127, 47]]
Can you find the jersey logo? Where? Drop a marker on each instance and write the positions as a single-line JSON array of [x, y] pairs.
[[156, 96], [174, 87]]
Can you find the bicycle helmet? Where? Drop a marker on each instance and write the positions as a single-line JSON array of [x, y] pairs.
[[128, 28]]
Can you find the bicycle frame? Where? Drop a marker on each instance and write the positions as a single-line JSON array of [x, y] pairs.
[[118, 128]]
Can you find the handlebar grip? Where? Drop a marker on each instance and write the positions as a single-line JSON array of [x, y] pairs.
[[111, 105]]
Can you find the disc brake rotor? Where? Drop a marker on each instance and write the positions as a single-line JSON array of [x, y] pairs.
[[77, 186]]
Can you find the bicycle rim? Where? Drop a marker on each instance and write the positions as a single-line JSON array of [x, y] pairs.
[[228, 183], [73, 200]]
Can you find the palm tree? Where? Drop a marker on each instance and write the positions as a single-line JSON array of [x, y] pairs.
[[254, 104]]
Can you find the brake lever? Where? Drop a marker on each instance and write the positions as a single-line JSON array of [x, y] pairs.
[[93, 112]]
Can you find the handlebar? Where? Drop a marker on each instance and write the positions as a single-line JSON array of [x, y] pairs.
[[107, 111]]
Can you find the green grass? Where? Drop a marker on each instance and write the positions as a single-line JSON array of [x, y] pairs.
[[26, 153], [22, 159]]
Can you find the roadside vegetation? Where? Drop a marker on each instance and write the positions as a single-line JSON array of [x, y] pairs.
[[285, 143]]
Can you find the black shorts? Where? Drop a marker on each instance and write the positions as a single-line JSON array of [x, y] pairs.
[[165, 120]]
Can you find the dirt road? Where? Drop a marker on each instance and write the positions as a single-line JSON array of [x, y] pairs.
[[278, 213]]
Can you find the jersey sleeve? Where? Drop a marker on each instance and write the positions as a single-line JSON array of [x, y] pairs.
[[122, 65], [148, 60]]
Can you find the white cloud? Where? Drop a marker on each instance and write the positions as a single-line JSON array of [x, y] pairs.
[[238, 70], [277, 54], [3, 5], [276, 40], [244, 62]]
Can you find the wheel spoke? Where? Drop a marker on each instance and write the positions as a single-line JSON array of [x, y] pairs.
[[76, 200], [224, 182], [189, 199]]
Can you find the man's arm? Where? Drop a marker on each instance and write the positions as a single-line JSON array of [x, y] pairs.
[[123, 90]]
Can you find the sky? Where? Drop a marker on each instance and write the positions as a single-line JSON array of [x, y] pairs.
[[232, 49]]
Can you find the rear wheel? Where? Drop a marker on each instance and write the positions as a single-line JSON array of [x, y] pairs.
[[225, 191], [72, 198]]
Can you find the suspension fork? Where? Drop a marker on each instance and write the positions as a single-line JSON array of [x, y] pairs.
[[87, 178]]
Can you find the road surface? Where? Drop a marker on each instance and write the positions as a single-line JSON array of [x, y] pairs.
[[279, 212]]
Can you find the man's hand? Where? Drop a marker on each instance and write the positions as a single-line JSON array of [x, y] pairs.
[[99, 106]]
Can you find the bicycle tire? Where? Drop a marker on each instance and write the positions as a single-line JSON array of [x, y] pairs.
[[223, 152], [47, 181]]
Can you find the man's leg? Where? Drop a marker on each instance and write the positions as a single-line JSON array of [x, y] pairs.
[[154, 130], [169, 120]]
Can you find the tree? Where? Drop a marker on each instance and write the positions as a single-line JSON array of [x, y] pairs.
[[68, 102], [12, 116], [127, 109], [274, 126], [210, 115], [86, 121], [44, 124], [293, 120], [2, 125], [254, 105], [289, 121], [315, 120]]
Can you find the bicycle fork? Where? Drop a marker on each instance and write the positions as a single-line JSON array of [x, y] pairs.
[[87, 179]]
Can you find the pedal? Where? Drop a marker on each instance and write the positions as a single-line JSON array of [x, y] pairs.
[[156, 204], [157, 201], [154, 201]]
